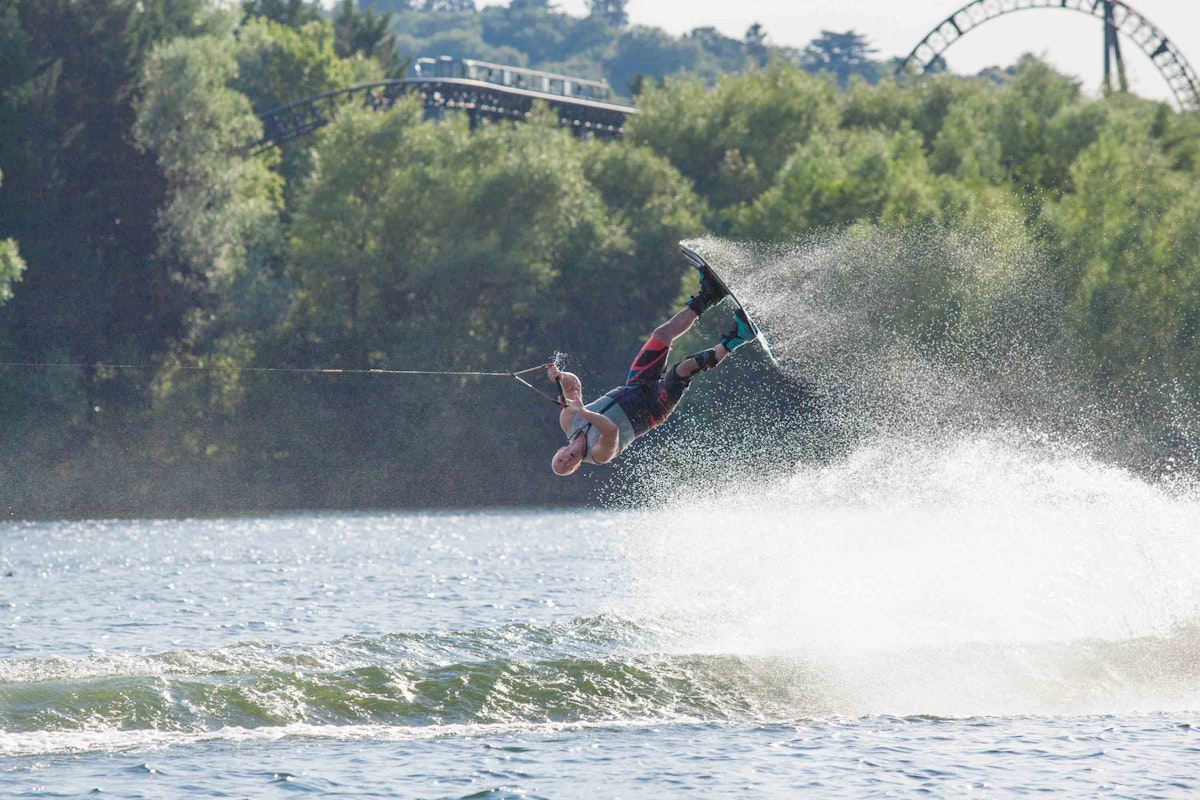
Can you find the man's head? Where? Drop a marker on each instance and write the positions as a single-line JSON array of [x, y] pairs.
[[568, 457]]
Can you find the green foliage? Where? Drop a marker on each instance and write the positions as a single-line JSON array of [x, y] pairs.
[[452, 34], [293, 13], [78, 196], [220, 222], [15, 64], [922, 105], [653, 208], [451, 6], [1131, 236], [277, 64], [648, 51], [1108, 188], [731, 141], [11, 265], [843, 177], [1036, 129], [542, 36], [756, 43], [384, 271], [967, 146], [147, 234], [611, 11], [731, 53], [1179, 135], [196, 125], [11, 268], [842, 55], [366, 33]]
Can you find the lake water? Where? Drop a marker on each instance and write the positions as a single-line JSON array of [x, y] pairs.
[[980, 624]]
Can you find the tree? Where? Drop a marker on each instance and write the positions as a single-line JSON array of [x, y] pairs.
[[731, 141], [654, 208], [1131, 235], [612, 11], [220, 222], [379, 255], [842, 55], [279, 64], [729, 51], [293, 13], [79, 196], [11, 267], [839, 178], [450, 6], [396, 6], [966, 145], [648, 51], [756, 43], [1042, 128], [11, 264], [367, 33]]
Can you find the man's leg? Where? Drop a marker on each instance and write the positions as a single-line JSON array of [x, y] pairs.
[[680, 324], [676, 326], [679, 377], [651, 360], [704, 360], [707, 359], [672, 387]]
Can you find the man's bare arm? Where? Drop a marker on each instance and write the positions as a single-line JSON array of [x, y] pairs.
[[605, 448], [599, 421], [570, 383], [572, 389]]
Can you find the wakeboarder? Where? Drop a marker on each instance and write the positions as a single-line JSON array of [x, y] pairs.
[[601, 430]]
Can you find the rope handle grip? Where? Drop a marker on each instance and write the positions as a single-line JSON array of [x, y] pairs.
[[561, 401]]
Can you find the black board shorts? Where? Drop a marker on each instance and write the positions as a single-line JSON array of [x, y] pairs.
[[651, 392]]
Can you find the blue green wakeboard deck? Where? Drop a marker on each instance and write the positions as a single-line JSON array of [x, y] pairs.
[[703, 266]]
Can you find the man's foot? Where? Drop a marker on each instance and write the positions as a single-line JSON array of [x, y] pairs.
[[742, 331], [711, 291]]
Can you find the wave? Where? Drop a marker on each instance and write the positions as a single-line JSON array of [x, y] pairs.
[[576, 673], [399, 687], [65, 742], [520, 641]]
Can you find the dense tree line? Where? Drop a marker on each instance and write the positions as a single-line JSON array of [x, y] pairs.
[[603, 44], [135, 229]]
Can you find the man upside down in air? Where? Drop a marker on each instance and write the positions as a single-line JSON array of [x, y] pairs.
[[601, 430]]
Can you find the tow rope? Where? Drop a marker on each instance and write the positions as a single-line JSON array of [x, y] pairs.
[[312, 371]]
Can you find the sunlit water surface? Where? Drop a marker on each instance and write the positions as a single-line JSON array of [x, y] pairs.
[[780, 644], [938, 580]]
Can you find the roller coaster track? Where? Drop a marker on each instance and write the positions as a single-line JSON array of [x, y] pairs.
[[1165, 56], [479, 100]]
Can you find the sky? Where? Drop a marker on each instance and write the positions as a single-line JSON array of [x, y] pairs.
[[1071, 41]]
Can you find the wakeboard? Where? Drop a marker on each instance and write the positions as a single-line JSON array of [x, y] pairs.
[[697, 261]]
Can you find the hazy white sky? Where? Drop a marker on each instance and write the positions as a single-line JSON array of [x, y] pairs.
[[1073, 42]]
